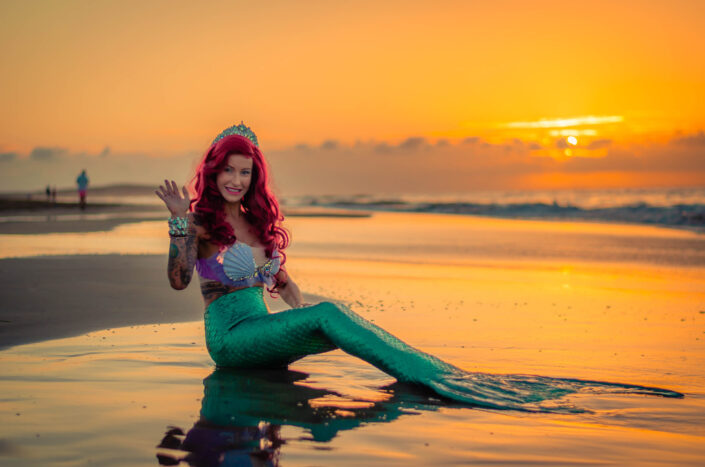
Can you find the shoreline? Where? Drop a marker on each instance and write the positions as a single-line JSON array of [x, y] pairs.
[[36, 217], [689, 221], [20, 215]]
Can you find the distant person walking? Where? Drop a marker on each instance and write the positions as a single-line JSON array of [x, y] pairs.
[[82, 182], [48, 192]]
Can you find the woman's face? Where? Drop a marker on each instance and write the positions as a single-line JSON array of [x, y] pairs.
[[234, 181]]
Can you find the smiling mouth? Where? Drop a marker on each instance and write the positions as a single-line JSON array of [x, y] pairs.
[[234, 191]]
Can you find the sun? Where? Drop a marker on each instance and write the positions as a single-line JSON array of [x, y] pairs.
[[572, 140]]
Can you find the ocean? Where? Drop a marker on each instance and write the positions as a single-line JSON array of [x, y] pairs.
[[674, 207]]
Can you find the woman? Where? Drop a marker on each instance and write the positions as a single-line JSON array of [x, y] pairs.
[[232, 234]]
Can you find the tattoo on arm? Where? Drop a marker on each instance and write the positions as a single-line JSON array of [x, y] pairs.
[[182, 259], [173, 251]]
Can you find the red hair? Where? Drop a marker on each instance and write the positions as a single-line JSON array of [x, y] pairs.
[[259, 205]]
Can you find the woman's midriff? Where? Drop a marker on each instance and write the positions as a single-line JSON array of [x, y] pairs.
[[213, 290]]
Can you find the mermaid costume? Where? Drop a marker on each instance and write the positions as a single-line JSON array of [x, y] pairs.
[[242, 333]]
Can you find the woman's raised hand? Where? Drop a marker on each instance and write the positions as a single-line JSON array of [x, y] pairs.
[[171, 196]]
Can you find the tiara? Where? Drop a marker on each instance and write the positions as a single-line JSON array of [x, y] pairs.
[[241, 129]]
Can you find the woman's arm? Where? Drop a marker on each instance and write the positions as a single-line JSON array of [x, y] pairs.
[[183, 252], [288, 290], [183, 249]]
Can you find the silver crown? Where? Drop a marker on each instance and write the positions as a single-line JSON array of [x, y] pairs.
[[241, 129]]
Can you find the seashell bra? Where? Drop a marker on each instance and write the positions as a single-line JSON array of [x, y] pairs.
[[236, 266]]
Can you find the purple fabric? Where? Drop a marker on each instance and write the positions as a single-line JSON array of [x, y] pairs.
[[211, 268]]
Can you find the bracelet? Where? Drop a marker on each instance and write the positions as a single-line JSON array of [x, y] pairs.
[[178, 226]]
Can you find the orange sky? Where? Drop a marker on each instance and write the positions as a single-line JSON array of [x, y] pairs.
[[162, 78]]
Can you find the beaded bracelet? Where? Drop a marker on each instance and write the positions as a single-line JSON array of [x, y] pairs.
[[178, 226]]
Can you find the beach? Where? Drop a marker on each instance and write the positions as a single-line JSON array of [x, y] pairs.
[[501, 204], [102, 363]]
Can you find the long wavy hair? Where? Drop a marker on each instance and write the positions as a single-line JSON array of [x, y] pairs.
[[259, 205]]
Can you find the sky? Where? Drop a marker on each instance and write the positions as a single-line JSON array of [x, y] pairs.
[[355, 97]]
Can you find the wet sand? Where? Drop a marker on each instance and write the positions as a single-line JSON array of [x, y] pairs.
[[591, 301], [61, 296], [20, 216]]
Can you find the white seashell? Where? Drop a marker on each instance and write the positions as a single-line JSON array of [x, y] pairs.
[[238, 262]]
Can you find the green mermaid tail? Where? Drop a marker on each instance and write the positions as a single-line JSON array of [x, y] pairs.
[[241, 333]]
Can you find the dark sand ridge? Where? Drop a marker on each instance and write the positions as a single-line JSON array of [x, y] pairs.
[[60, 296]]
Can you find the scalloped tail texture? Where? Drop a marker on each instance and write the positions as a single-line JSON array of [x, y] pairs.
[[241, 333], [529, 393]]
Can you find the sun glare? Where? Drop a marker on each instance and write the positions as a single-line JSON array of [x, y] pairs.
[[572, 140], [567, 122], [573, 132]]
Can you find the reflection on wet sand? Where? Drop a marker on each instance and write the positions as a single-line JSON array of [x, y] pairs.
[[242, 413]]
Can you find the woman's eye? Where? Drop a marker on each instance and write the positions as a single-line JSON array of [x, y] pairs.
[[246, 172], [227, 170]]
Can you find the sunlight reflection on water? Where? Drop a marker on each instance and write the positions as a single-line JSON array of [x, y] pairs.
[[411, 237], [121, 390]]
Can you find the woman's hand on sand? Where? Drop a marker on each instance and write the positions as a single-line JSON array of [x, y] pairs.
[[177, 205]]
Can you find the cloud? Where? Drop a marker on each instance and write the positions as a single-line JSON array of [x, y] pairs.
[[520, 144], [697, 139], [674, 156], [567, 122], [417, 165], [617, 159], [413, 165], [561, 143], [329, 145], [413, 144], [46, 154], [599, 144], [58, 166], [382, 148]]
